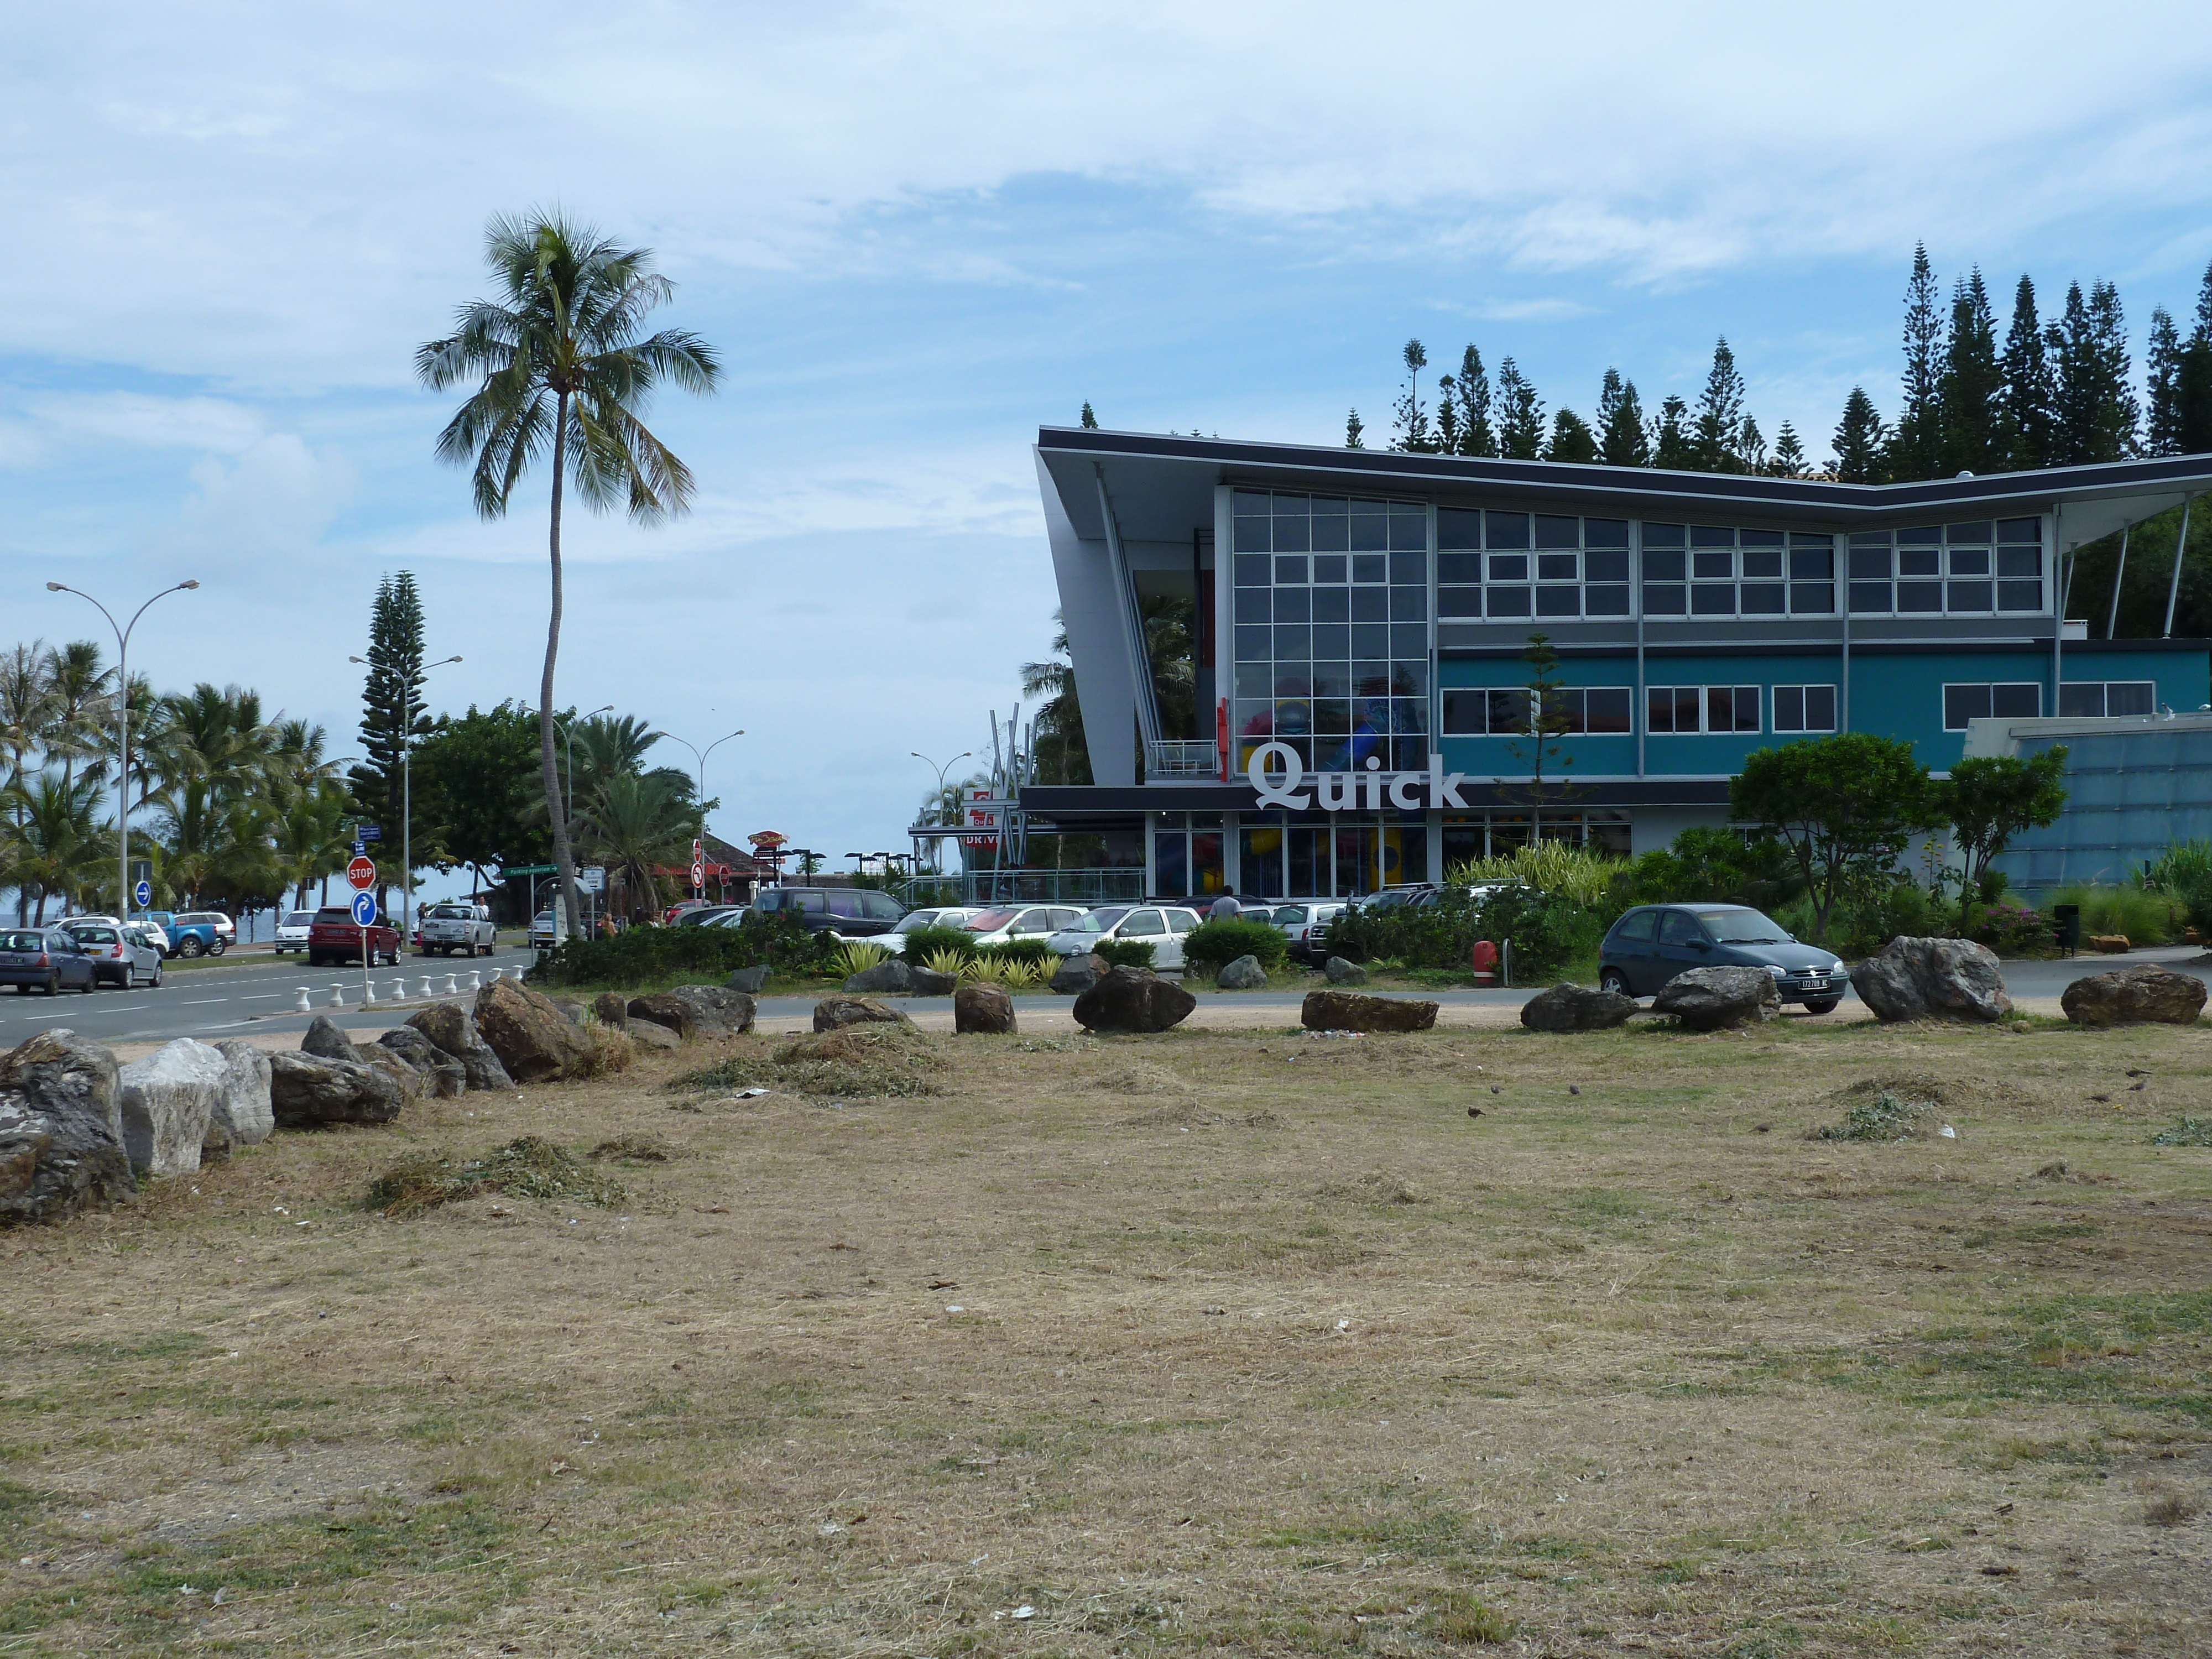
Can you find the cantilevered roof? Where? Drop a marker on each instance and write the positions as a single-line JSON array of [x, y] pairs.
[[1161, 486]]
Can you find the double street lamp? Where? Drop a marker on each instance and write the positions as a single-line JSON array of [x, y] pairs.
[[407, 793], [122, 731], [701, 774], [936, 845]]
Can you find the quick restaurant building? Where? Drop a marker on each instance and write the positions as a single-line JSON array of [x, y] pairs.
[[1362, 617]]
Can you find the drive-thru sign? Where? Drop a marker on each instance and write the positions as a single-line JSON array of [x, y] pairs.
[[361, 874]]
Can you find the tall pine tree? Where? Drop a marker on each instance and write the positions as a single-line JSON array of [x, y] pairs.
[[2193, 375], [2162, 381], [1915, 448], [2027, 416], [2096, 404], [1354, 430], [1572, 439], [1412, 432], [1971, 394], [1621, 440], [1859, 441], [390, 705], [1671, 445], [1789, 460], [1090, 419], [1717, 439], [1468, 392], [1520, 415]]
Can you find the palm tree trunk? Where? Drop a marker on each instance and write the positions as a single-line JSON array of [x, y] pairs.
[[562, 863]]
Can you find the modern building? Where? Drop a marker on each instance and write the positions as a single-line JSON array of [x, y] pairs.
[[1356, 706]]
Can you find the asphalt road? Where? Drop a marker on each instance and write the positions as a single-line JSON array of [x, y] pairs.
[[228, 998], [223, 1000]]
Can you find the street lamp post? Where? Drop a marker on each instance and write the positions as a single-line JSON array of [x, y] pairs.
[[937, 844], [568, 780], [701, 774], [122, 732], [407, 796]]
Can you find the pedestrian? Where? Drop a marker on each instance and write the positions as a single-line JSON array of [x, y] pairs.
[[1225, 909]]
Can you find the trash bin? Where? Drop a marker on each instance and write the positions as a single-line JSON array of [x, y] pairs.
[[2066, 927]]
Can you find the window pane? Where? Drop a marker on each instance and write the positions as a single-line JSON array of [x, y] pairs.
[[1412, 603], [1408, 567], [1509, 566], [1712, 599], [1789, 708], [1255, 679], [1252, 570], [1559, 601], [1870, 563], [1812, 599], [1970, 561], [1747, 709], [1331, 716], [1332, 641], [1332, 604], [1508, 711], [1370, 639], [2016, 702], [1409, 640], [1762, 561], [1820, 708], [1459, 566], [1968, 535], [1292, 679], [1508, 602], [1331, 679], [1685, 708], [1292, 603], [1370, 527], [1295, 643], [1331, 567], [1923, 535], [1719, 567], [1962, 704], [1870, 598], [1812, 563], [1762, 599], [1659, 709], [1606, 567], [1252, 644], [2019, 530], [1557, 568], [1459, 601], [1970, 596], [1251, 535], [1254, 605], [1369, 567], [1554, 530], [1606, 708], [1409, 529], [2084, 702], [1506, 529], [1290, 571], [1919, 597], [2019, 596], [1664, 535], [1296, 534], [1665, 566], [2019, 562], [1370, 605], [1711, 535], [2131, 698], [1331, 533], [1606, 533], [1664, 599], [1719, 708], [1606, 601], [1919, 562], [1458, 526]]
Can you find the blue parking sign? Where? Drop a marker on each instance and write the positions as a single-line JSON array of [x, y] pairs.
[[364, 908], [144, 892]]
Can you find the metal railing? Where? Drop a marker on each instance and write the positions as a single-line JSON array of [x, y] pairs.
[[1094, 886], [1196, 758]]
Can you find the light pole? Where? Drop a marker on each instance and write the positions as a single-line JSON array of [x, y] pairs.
[[568, 780], [122, 732], [937, 842], [407, 794], [702, 773]]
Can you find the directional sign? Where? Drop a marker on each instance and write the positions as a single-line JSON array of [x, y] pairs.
[[361, 874], [364, 908], [368, 832], [592, 879], [143, 893], [359, 847], [699, 864]]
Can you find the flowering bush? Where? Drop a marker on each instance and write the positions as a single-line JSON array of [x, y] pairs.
[[2014, 930]]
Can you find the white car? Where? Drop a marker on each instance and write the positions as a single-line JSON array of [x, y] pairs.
[[454, 927], [955, 915], [1019, 921], [292, 931], [541, 930], [1161, 925], [1305, 923]]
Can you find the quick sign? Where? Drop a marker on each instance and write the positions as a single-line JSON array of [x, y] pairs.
[[1368, 791]]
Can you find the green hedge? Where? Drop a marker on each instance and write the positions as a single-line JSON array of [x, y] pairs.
[[924, 942], [1213, 945], [1124, 952], [646, 955], [1017, 950], [1548, 930]]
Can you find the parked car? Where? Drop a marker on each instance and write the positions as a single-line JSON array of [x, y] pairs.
[[455, 928], [1162, 926], [48, 958], [334, 938], [121, 954], [291, 930], [195, 933], [944, 915], [1652, 944], [844, 912], [1022, 922], [541, 930], [700, 916], [1305, 923]]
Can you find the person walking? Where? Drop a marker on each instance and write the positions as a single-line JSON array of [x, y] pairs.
[[1225, 909]]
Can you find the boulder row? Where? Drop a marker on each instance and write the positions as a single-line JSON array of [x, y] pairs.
[[307, 1091], [1932, 979], [441, 1073], [752, 980], [1337, 971], [928, 982], [1576, 1008], [244, 1116], [61, 1139], [1356, 1011], [535, 1041], [986, 1009], [1714, 999], [167, 1101], [832, 1014], [2150, 995], [452, 1027], [611, 1008], [890, 977], [1077, 975]]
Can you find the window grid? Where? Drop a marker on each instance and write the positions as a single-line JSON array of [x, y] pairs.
[[1804, 709], [1715, 571], [1511, 567], [1686, 708], [2013, 700], [1504, 711], [1972, 569], [2106, 699]]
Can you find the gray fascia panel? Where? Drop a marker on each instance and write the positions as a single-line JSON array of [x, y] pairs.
[[1093, 613]]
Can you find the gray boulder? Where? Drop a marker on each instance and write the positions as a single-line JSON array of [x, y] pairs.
[[325, 1040], [61, 1139], [1338, 971], [648, 1036], [167, 1101], [716, 1011], [1133, 999], [890, 977], [1245, 974], [983, 1008], [2146, 995], [928, 982], [442, 1074], [1077, 975], [1713, 999], [243, 1116], [535, 1039], [1933, 979], [451, 1026], [308, 1092], [752, 980], [1356, 1010], [611, 1008], [1576, 1008], [832, 1014], [671, 1014]]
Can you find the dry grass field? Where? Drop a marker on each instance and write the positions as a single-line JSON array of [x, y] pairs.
[[1212, 1342]]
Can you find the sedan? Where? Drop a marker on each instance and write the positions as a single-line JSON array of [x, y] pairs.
[[120, 956], [1011, 922], [46, 958], [1161, 927], [1654, 942], [291, 930]]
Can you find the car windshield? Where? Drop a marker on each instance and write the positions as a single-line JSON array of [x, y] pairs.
[[543, 921], [1735, 927], [300, 919], [449, 913], [990, 921], [1098, 921]]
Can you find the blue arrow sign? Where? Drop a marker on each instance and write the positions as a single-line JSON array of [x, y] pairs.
[[364, 908], [144, 892]]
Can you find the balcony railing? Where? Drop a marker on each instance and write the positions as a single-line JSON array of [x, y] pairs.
[[1093, 886], [1199, 758]]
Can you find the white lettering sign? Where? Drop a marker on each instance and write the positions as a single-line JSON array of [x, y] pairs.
[[1279, 776]]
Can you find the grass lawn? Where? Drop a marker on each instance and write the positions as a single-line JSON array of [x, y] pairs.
[[1211, 1342]]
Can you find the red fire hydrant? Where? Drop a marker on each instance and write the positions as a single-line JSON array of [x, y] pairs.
[[1486, 963]]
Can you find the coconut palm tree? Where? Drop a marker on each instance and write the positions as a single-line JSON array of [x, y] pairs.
[[26, 710], [633, 822], [81, 715], [63, 850], [558, 363]]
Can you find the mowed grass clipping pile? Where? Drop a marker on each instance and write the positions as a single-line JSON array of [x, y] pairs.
[[1210, 1342]]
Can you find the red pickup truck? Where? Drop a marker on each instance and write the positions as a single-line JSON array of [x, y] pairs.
[[334, 938]]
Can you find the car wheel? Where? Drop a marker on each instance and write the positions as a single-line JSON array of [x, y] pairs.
[[53, 984], [1614, 980], [218, 947], [154, 983], [1822, 1005], [91, 984], [190, 947]]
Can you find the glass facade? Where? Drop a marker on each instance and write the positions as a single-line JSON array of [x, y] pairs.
[[1330, 628], [1714, 570], [1972, 569], [1506, 565]]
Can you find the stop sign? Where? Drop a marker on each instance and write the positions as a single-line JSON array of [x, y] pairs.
[[361, 874]]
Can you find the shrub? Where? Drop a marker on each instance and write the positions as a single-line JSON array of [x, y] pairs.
[[1124, 952], [1547, 931], [1016, 949], [1211, 945], [860, 956], [1865, 919], [2142, 915], [923, 943], [948, 961], [2014, 930], [647, 956], [1704, 863], [1583, 873]]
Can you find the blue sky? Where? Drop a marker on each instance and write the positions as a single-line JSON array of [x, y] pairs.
[[917, 232]]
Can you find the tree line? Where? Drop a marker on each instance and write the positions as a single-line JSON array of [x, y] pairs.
[[2055, 392]]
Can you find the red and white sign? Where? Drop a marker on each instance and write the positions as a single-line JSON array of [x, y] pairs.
[[980, 818], [699, 865], [361, 874]]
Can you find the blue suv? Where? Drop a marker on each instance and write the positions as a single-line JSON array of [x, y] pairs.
[[194, 933]]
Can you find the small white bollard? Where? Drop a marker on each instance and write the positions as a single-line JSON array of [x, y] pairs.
[[337, 996], [494, 975], [476, 981], [451, 988], [426, 991], [300, 1006]]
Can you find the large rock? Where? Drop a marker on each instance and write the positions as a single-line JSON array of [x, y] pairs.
[[1932, 979], [1576, 1008], [167, 1101], [611, 1008], [327, 1041], [308, 1092], [1132, 999], [670, 1013], [1077, 975], [752, 980], [442, 1074], [1356, 1010], [717, 1011], [983, 1008], [928, 982], [61, 1139], [646, 1036], [2150, 994], [244, 1116], [890, 977], [1245, 974], [1713, 999], [832, 1014], [452, 1027], [534, 1040], [1338, 971]]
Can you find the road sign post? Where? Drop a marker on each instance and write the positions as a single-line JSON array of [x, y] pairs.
[[144, 892], [364, 912]]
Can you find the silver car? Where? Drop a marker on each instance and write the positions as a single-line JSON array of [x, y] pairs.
[[1160, 925], [122, 955]]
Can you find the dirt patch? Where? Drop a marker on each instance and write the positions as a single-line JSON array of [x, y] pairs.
[[635, 1149], [1141, 1077], [1376, 1187], [527, 1168], [1908, 1106], [1197, 1117]]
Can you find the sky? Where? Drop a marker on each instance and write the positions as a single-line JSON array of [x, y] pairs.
[[914, 232]]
